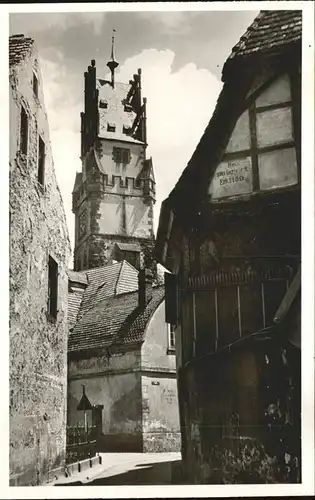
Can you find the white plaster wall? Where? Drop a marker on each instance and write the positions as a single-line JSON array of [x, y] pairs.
[[278, 91], [108, 165], [154, 349], [107, 383], [232, 178], [274, 127], [277, 169], [111, 212], [240, 138], [137, 217]]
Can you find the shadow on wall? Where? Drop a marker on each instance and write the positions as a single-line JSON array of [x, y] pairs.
[[125, 431]]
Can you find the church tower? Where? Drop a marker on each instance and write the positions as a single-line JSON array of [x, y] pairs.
[[113, 196]]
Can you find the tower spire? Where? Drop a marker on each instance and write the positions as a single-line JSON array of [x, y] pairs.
[[112, 64]]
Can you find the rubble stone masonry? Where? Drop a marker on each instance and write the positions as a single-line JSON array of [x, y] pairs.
[[38, 232]]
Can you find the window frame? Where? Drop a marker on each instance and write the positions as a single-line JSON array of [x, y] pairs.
[[35, 84], [24, 131], [255, 151], [111, 128], [171, 338], [118, 155], [132, 254], [103, 104], [41, 160], [52, 301]]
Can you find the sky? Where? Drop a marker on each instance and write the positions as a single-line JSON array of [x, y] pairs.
[[181, 55]]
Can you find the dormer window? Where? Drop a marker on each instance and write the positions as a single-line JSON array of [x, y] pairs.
[[35, 85], [111, 127], [103, 104]]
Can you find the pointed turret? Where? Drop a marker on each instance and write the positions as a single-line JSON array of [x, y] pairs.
[[112, 64]]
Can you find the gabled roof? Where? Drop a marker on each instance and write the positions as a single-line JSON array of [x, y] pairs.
[[20, 47], [84, 403], [114, 321], [271, 30]]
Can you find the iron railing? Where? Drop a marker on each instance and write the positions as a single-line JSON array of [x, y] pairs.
[[81, 443]]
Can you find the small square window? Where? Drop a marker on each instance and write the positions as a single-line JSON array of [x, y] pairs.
[[41, 161], [128, 108], [126, 130], [52, 287], [125, 156], [111, 127], [35, 85], [103, 104], [121, 155], [23, 131]]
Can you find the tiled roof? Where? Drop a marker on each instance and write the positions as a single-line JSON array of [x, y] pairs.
[[99, 283], [78, 276], [74, 302], [116, 321], [19, 48], [115, 113], [270, 29]]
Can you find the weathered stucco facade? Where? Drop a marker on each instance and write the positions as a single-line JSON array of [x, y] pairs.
[[235, 254], [38, 300], [113, 196], [160, 414], [129, 370]]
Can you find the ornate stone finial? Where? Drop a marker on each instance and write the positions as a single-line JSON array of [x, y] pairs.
[[112, 64]]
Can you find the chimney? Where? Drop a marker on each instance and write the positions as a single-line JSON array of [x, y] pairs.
[[145, 287]]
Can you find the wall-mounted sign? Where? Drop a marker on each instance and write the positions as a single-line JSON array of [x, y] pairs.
[[232, 178]]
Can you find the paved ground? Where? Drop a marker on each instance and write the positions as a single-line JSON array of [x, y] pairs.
[[128, 468]]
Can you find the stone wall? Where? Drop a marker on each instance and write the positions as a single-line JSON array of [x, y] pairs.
[[38, 344]]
